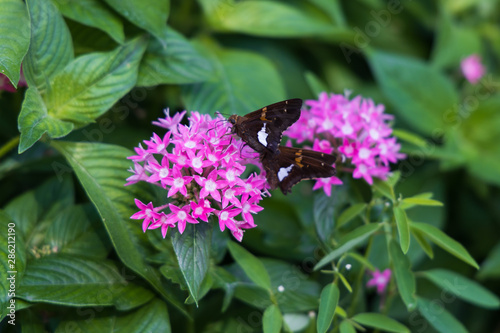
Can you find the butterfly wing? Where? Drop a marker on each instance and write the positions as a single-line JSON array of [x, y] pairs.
[[262, 129], [291, 165]]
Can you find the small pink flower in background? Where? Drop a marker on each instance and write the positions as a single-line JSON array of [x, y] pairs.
[[200, 166], [472, 68], [357, 128], [7, 86], [379, 280]]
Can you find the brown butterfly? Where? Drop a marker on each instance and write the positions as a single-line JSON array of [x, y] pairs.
[[262, 130]]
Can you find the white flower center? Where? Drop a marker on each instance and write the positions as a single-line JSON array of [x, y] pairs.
[[160, 147], [347, 129], [181, 215], [229, 194], [383, 149], [224, 216], [246, 208], [148, 212], [210, 185], [198, 210], [349, 150], [327, 124], [178, 182], [190, 144], [164, 172], [363, 168], [374, 134], [364, 153], [230, 175], [212, 158], [197, 162], [182, 160]]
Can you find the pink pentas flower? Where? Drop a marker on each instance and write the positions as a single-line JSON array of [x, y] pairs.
[[181, 215], [164, 222], [356, 128], [472, 68], [380, 280], [170, 122], [146, 213], [201, 167]]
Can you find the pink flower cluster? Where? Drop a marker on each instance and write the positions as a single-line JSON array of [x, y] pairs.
[[357, 128], [201, 166], [472, 68]]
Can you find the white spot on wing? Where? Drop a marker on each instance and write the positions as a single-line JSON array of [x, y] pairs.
[[284, 172], [262, 135]]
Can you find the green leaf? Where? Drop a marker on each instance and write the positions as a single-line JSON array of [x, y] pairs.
[[272, 320], [102, 170], [346, 284], [76, 281], [30, 207], [424, 244], [12, 259], [179, 63], [83, 91], [192, 249], [454, 42], [462, 287], [14, 38], [251, 265], [347, 327], [422, 202], [362, 260], [354, 238], [267, 18], [478, 132], [152, 317], [294, 293], [71, 232], [297, 322], [242, 84], [445, 242], [439, 318], [410, 137], [51, 47], [412, 86], [95, 14], [35, 120], [406, 205], [384, 188], [225, 280], [323, 212], [150, 15], [252, 294], [381, 322], [403, 228], [350, 213], [91, 84], [328, 303], [333, 9], [405, 279], [315, 84], [490, 268]]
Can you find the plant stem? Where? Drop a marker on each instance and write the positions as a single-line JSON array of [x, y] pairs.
[[9, 146]]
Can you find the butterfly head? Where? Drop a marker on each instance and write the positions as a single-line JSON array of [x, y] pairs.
[[233, 119]]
